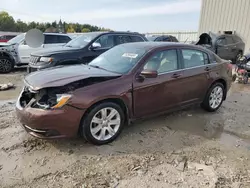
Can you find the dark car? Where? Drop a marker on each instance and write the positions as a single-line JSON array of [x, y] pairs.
[[6, 38], [82, 49], [128, 82], [162, 38], [226, 46]]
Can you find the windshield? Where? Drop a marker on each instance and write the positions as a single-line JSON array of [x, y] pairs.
[[82, 40], [120, 59], [17, 39]]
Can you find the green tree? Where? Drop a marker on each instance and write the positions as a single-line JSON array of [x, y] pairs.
[[21, 26], [7, 23], [85, 30], [70, 29]]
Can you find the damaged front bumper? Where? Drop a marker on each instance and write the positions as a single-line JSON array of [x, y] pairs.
[[48, 123]]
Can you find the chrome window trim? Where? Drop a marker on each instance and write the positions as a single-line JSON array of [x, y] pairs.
[[186, 69]]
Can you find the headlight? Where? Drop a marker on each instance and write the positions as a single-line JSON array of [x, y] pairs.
[[46, 59], [61, 100]]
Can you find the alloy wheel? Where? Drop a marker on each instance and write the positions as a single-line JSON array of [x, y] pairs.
[[216, 97], [5, 65], [105, 124]]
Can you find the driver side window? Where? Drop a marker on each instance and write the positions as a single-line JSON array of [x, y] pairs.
[[106, 41], [162, 62]]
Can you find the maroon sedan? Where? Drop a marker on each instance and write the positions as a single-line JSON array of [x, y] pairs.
[[128, 82]]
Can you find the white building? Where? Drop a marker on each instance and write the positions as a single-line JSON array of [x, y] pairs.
[[226, 15]]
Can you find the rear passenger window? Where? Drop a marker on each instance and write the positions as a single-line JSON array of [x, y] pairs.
[[123, 39], [167, 39], [51, 39], [194, 58], [63, 39], [230, 40], [136, 39], [163, 62]]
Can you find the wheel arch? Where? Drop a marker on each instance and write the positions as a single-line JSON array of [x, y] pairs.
[[6, 54], [115, 100]]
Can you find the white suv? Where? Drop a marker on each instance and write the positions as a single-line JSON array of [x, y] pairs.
[[50, 40]]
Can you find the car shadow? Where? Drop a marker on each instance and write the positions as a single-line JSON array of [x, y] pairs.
[[166, 133]]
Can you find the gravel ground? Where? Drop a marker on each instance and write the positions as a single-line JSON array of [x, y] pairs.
[[190, 148]]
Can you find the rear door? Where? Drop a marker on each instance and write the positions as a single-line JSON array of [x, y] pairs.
[[196, 74], [231, 44], [224, 50], [154, 95]]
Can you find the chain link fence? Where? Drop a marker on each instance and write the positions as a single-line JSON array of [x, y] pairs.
[[182, 36]]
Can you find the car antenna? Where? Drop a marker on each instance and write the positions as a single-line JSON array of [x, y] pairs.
[[186, 40]]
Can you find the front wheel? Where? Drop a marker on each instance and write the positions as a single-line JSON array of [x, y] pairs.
[[214, 97], [103, 123], [6, 64]]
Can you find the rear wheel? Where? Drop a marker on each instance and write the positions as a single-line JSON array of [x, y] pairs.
[[238, 56], [214, 97], [103, 123], [6, 64]]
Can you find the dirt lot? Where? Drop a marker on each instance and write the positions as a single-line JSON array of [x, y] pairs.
[[191, 148]]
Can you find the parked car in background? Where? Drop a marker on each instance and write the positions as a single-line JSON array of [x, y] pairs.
[[162, 38], [128, 82], [82, 49], [227, 46], [21, 51], [6, 38], [51, 40]]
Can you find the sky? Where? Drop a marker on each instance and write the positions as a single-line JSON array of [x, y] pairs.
[[122, 15]]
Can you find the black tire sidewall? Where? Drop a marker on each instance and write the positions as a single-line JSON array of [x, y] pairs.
[[206, 104], [85, 123], [239, 54], [12, 64]]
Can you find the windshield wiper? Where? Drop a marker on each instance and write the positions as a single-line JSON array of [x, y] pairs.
[[69, 46]]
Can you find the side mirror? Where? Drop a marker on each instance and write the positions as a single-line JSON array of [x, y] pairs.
[[149, 73], [95, 45]]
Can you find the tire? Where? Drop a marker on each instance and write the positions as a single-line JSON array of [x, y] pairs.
[[89, 129], [206, 104], [234, 78], [6, 64], [245, 81], [238, 56]]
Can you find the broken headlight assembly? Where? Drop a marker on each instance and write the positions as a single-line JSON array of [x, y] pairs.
[[52, 101], [61, 100]]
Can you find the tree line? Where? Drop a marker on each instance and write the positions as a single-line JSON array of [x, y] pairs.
[[7, 23]]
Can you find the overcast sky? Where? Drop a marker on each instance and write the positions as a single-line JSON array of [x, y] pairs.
[[133, 15]]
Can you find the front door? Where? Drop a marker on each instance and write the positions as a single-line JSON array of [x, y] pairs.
[[153, 95], [24, 52], [105, 42]]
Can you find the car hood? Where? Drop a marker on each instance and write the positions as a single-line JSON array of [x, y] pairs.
[[60, 76], [54, 50]]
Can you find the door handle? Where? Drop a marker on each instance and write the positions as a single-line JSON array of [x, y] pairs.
[[176, 75], [207, 69]]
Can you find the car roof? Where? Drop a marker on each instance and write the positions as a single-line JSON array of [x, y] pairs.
[[154, 45], [63, 34], [115, 32]]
